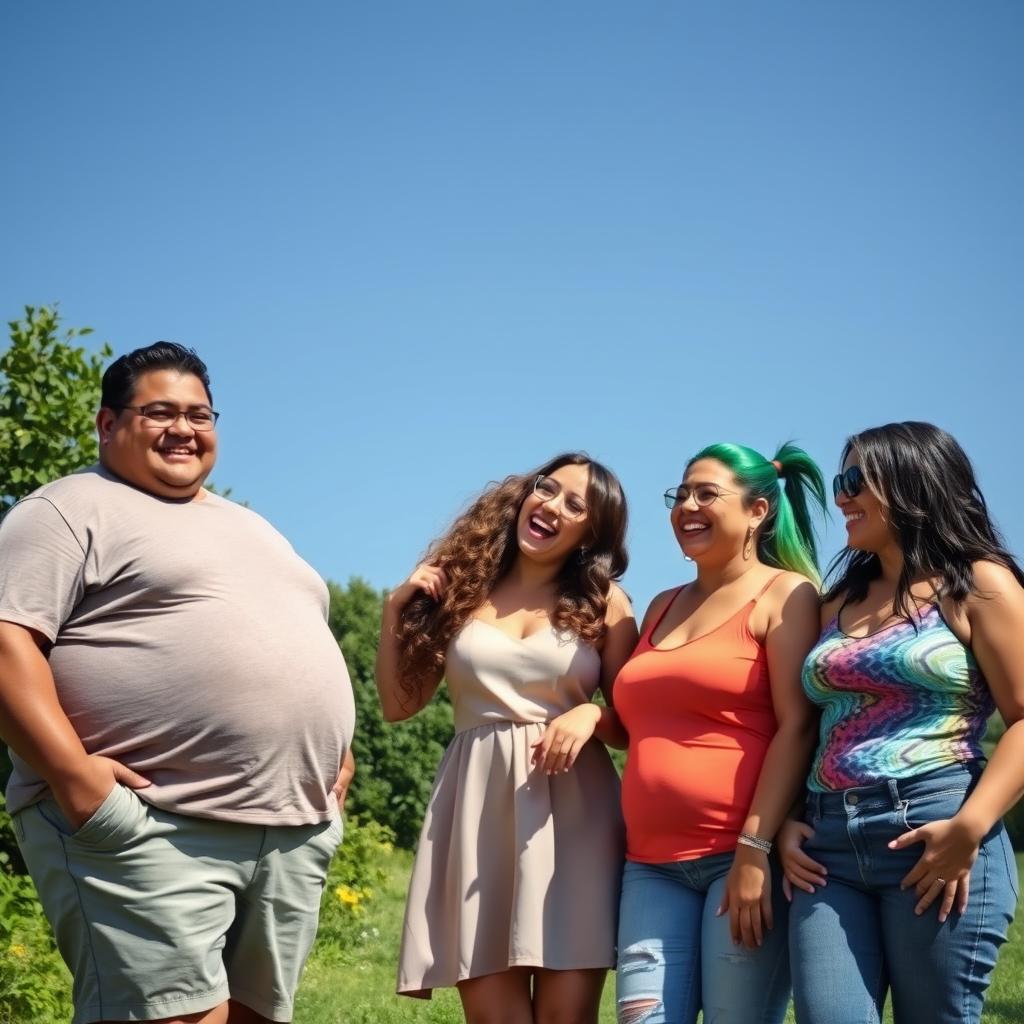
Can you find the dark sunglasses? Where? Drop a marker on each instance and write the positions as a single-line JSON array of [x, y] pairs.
[[851, 483]]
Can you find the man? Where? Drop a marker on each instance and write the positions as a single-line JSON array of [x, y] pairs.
[[177, 712]]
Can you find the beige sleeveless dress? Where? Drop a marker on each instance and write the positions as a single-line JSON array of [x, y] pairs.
[[514, 867]]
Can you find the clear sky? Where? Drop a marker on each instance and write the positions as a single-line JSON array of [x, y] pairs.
[[424, 245]]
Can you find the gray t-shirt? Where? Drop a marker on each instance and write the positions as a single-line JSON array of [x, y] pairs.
[[190, 643]]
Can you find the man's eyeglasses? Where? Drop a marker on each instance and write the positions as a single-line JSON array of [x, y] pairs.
[[546, 488], [850, 483], [702, 494], [161, 414]]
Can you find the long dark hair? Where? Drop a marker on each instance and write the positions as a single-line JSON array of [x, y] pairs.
[[481, 546], [934, 506]]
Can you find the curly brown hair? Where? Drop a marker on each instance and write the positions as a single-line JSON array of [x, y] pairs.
[[481, 546]]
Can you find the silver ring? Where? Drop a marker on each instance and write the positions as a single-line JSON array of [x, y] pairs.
[[940, 881]]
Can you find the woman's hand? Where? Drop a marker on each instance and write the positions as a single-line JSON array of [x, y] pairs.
[[944, 869], [798, 869], [344, 779], [748, 897], [430, 579], [563, 739]]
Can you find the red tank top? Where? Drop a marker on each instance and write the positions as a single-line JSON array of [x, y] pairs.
[[700, 719]]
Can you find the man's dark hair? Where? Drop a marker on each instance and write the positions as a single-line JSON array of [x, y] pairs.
[[123, 374]]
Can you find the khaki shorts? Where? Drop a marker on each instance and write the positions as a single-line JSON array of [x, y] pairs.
[[160, 915]]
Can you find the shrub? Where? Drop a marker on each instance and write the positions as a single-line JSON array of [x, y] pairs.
[[395, 764], [353, 881], [34, 983]]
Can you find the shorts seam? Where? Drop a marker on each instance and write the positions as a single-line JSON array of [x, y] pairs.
[[260, 1004], [220, 991], [258, 857], [85, 919]]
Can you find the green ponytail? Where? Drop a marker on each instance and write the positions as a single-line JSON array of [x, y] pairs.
[[786, 538]]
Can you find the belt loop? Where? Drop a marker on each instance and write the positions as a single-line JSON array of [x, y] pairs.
[[815, 804], [894, 793]]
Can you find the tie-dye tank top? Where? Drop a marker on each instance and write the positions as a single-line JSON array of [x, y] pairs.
[[897, 703]]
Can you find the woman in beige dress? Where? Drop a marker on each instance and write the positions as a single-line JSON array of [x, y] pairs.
[[514, 888]]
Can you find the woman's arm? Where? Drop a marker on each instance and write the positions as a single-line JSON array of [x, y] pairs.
[[996, 616], [793, 627], [565, 736], [620, 641], [396, 704]]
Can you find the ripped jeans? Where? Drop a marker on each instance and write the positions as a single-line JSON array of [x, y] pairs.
[[676, 957]]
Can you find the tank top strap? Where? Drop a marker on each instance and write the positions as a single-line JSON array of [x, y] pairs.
[[664, 611], [748, 609], [764, 590]]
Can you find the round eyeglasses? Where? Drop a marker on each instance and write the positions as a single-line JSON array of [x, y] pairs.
[[702, 494], [548, 488]]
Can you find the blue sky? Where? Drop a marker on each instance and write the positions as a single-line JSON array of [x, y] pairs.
[[424, 245]]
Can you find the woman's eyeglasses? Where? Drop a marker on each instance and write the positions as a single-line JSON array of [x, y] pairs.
[[702, 494], [547, 488]]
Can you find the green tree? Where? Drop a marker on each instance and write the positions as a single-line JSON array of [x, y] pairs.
[[395, 763], [49, 392]]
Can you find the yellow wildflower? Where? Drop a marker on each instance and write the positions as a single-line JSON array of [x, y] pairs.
[[16, 949], [347, 896]]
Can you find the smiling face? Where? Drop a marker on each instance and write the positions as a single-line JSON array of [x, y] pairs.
[[554, 519], [867, 525], [170, 462], [717, 531]]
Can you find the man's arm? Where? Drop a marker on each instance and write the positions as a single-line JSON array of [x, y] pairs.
[[34, 726]]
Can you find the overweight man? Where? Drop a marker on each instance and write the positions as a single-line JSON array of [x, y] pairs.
[[177, 712]]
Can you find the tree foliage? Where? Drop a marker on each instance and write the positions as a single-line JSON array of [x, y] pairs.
[[395, 763], [49, 392]]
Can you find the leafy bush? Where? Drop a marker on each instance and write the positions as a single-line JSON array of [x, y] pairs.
[[395, 764], [34, 983], [353, 880], [10, 856]]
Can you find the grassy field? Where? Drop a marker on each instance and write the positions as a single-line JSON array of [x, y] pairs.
[[357, 987]]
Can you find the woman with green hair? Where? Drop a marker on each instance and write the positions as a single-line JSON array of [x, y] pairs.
[[720, 736]]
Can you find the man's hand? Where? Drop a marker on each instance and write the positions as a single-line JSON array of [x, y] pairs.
[[345, 776], [81, 791]]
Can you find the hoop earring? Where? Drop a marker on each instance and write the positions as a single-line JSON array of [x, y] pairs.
[[748, 544]]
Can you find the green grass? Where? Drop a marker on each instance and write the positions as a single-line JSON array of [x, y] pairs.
[[357, 986]]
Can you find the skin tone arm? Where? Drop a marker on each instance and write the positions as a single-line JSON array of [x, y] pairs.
[[396, 705], [35, 727], [792, 631], [565, 736], [996, 617], [344, 780], [798, 869]]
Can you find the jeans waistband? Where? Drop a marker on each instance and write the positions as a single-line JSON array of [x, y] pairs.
[[894, 793]]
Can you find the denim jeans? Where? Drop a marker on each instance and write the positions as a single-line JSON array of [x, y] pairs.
[[676, 956], [858, 936]]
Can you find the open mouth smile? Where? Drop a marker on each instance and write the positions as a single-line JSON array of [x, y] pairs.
[[540, 528]]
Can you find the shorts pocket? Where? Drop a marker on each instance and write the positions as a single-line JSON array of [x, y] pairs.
[[114, 823]]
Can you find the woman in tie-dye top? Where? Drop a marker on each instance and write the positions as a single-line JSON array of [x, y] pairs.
[[902, 875]]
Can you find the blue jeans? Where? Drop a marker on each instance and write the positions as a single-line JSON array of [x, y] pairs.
[[858, 936], [676, 956]]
